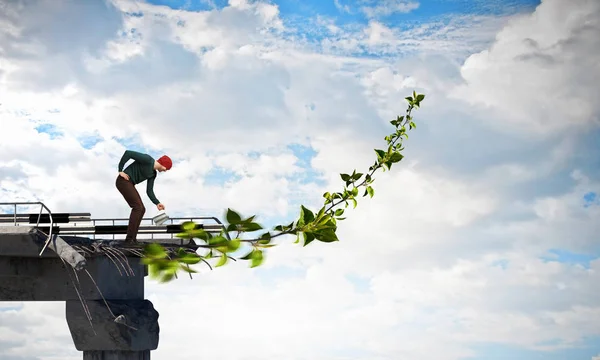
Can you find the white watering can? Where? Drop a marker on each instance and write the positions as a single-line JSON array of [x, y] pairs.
[[160, 218]]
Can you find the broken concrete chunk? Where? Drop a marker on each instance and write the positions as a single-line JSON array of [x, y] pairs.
[[136, 329]]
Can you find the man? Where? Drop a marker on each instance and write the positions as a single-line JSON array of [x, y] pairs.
[[143, 168]]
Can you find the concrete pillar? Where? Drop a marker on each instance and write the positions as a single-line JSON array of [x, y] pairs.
[[116, 355], [123, 328], [136, 329]]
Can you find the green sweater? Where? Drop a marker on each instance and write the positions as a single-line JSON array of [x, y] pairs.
[[141, 169]]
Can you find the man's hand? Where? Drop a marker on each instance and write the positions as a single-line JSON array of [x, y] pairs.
[[124, 176], [160, 207]]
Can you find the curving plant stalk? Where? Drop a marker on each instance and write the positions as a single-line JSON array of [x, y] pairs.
[[310, 226]]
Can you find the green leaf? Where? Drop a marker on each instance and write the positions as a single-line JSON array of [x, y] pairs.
[[320, 213], [251, 227], [165, 270], [370, 191], [183, 235], [345, 177], [327, 235], [167, 277], [257, 258], [218, 241], [188, 225], [323, 221], [189, 259], [222, 260], [420, 97], [188, 269], [197, 233], [265, 246], [232, 245], [396, 157], [306, 216], [265, 238], [339, 212], [308, 238], [380, 154], [155, 251], [355, 203], [154, 270], [233, 217], [249, 220], [330, 224], [355, 191], [248, 256]]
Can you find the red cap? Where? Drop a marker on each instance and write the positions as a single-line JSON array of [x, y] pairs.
[[165, 161]]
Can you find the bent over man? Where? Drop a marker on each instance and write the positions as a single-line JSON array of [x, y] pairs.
[[143, 168]]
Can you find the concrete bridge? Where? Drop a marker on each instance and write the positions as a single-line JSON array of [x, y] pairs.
[[65, 257]]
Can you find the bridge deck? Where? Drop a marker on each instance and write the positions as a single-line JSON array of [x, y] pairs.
[[82, 231]]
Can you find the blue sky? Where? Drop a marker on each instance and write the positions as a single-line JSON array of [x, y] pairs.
[[425, 12], [588, 349]]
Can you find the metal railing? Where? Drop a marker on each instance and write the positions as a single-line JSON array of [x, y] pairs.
[[81, 224], [42, 206], [18, 219]]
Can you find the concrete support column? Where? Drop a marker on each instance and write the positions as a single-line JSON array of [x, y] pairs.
[[116, 355], [123, 330], [123, 326]]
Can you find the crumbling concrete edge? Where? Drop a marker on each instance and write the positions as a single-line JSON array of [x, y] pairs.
[[62, 249]]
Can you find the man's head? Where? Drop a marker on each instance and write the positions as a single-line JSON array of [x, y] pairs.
[[163, 164]]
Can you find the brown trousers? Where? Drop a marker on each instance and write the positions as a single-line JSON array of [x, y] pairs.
[[131, 195]]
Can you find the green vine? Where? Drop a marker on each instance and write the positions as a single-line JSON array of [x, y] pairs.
[[322, 225]]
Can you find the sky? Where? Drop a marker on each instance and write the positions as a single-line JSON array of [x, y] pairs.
[[481, 244]]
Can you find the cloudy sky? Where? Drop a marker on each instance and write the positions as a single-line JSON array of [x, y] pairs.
[[481, 244]]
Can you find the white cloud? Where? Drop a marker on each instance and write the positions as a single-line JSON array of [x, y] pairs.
[[448, 251], [542, 72], [341, 6], [388, 7]]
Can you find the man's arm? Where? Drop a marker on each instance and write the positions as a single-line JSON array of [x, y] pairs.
[[137, 156], [150, 190]]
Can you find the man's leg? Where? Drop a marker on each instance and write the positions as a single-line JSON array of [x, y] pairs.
[[131, 195]]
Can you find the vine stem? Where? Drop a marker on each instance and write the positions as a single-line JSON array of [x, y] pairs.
[[333, 203], [393, 143]]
